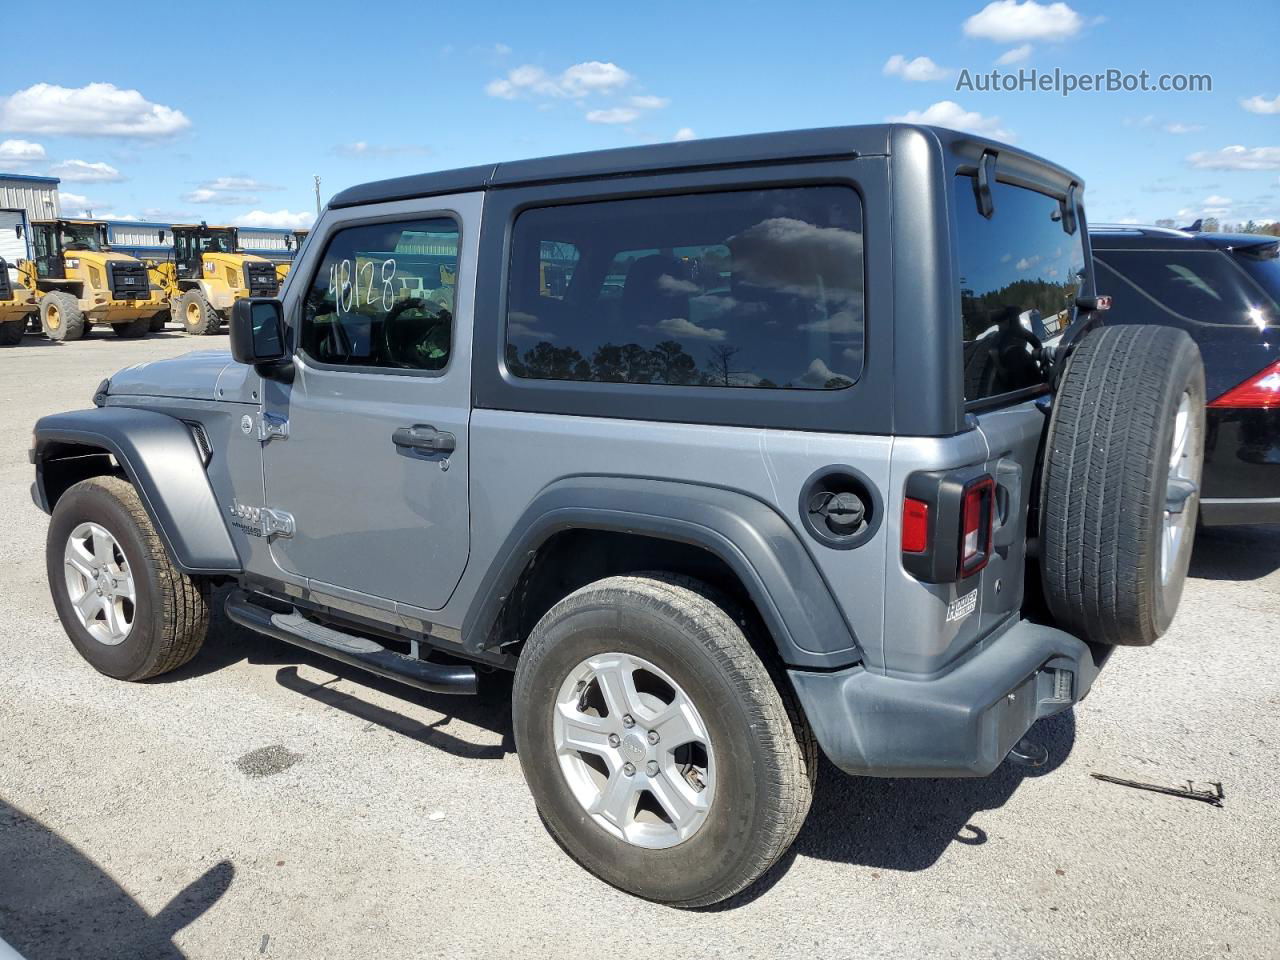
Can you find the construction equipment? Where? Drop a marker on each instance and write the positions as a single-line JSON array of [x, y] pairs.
[[294, 243], [17, 301], [208, 273], [80, 281]]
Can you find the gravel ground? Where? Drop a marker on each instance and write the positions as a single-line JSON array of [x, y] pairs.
[[262, 802]]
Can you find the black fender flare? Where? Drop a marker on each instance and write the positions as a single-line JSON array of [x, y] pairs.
[[749, 535], [160, 458]]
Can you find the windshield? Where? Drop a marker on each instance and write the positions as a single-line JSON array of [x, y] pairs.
[[218, 241], [1020, 273], [75, 236]]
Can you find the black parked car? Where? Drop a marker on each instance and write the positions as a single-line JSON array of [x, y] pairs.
[[1224, 290]]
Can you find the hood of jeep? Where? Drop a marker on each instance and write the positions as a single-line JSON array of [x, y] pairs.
[[190, 376]]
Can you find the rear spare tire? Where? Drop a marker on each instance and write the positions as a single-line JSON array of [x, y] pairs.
[[1120, 484]]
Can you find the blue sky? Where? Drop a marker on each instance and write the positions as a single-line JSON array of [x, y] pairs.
[[196, 126]]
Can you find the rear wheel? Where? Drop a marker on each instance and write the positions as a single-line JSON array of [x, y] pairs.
[[11, 332], [1121, 482], [659, 750], [127, 609], [198, 318], [133, 329], [61, 317]]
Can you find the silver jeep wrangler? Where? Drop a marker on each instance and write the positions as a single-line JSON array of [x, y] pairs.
[[729, 449]]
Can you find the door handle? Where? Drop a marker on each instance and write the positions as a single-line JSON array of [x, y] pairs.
[[422, 436]]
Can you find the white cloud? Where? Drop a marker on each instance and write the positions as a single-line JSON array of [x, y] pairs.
[[17, 154], [1237, 157], [78, 205], [276, 218], [1261, 104], [686, 330], [78, 171], [612, 115], [818, 374], [685, 133], [1016, 55], [593, 77], [579, 80], [1183, 127], [649, 102], [1026, 263], [1213, 200], [94, 110], [1007, 21], [362, 148], [501, 49], [948, 113], [232, 191], [919, 70]]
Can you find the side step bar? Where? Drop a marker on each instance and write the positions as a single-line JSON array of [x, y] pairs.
[[348, 648]]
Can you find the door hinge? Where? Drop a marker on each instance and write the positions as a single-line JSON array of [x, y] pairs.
[[271, 427], [261, 521]]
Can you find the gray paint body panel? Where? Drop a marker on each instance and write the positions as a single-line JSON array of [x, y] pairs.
[[161, 460]]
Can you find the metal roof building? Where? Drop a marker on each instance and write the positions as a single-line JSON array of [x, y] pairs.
[[38, 196], [141, 238]]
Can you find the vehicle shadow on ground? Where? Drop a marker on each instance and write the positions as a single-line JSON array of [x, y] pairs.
[[900, 824], [56, 902], [906, 824], [1236, 553], [490, 709]]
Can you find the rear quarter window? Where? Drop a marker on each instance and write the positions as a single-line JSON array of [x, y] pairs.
[[749, 288], [1020, 274]]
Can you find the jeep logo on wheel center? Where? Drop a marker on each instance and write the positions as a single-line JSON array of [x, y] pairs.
[[751, 443]]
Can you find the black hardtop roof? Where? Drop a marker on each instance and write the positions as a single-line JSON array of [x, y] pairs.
[[747, 150], [1124, 236]]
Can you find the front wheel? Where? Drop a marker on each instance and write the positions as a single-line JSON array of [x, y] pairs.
[[132, 330], [658, 748], [198, 318], [127, 609], [11, 332]]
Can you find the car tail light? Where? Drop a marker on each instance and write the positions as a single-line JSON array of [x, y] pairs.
[[977, 514], [915, 526], [948, 522], [1261, 391]]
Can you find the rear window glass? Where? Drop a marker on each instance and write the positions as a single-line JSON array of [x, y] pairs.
[[753, 288], [1020, 274], [1203, 286]]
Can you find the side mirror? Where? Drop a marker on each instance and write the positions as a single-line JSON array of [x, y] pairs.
[[257, 337], [160, 237]]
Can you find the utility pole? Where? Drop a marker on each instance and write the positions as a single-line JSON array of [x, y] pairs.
[[317, 195]]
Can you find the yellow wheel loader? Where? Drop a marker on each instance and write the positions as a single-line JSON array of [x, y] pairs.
[[208, 274], [80, 281], [17, 304]]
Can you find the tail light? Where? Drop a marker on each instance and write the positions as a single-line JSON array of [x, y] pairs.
[[948, 518], [1259, 392], [977, 514], [915, 526]]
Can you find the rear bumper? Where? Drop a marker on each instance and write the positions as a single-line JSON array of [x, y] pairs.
[[962, 723], [1241, 467]]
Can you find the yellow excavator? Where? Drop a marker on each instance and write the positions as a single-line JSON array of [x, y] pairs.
[[208, 273], [80, 281]]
